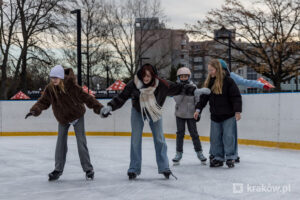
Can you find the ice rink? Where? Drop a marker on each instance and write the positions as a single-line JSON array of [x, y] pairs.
[[264, 173]]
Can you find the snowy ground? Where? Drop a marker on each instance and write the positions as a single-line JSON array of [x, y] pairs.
[[26, 161]]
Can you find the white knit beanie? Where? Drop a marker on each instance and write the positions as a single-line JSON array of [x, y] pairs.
[[58, 72]]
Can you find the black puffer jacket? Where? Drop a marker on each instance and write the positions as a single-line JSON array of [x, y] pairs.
[[222, 106], [161, 93]]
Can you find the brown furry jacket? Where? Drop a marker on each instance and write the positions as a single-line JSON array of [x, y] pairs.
[[67, 106]]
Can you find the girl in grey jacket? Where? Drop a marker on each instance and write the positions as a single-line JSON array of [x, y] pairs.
[[184, 112]]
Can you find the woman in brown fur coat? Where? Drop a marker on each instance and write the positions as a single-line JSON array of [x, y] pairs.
[[67, 99]]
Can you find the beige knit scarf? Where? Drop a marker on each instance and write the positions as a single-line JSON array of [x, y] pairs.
[[148, 101]]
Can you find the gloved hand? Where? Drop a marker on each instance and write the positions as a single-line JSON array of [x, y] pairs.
[[105, 111], [199, 92], [29, 114], [266, 87], [197, 115]]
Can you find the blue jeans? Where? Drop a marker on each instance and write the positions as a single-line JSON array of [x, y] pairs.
[[236, 144], [223, 145], [137, 125]]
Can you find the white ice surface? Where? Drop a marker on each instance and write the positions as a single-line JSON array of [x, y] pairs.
[[26, 161]]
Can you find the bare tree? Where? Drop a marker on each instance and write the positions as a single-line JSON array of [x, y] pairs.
[[39, 21], [9, 16], [267, 32], [93, 36], [121, 19], [111, 65]]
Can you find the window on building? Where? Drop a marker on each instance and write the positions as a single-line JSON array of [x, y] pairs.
[[251, 74], [251, 90], [138, 24], [240, 71], [198, 67], [198, 59], [198, 75]]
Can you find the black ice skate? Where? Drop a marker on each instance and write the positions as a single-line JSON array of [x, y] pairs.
[[131, 175], [230, 163], [89, 175], [54, 175], [168, 173], [216, 163]]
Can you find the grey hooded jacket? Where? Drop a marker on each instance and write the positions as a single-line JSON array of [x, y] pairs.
[[185, 105]]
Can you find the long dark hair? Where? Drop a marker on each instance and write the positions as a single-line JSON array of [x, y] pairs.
[[153, 72]]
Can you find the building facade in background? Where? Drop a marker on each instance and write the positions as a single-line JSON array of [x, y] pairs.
[[171, 48], [164, 48]]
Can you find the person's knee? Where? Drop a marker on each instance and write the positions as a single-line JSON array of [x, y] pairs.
[[81, 139], [136, 144], [194, 135], [160, 141], [180, 134], [229, 140], [216, 140], [136, 138]]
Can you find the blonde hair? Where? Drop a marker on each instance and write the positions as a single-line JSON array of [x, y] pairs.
[[61, 87], [220, 74]]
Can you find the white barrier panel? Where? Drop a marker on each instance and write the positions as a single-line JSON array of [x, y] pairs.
[[266, 117]]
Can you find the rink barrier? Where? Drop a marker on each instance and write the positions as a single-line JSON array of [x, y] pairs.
[[281, 145], [268, 120]]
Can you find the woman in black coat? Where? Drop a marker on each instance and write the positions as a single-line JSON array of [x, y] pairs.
[[148, 93], [225, 103]]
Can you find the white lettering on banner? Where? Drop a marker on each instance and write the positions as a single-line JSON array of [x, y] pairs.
[[238, 188]]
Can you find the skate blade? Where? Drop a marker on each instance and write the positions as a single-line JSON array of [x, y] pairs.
[[176, 163], [89, 179], [132, 177], [50, 178], [203, 162]]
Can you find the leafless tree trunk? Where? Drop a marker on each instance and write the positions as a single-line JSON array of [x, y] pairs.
[[8, 19]]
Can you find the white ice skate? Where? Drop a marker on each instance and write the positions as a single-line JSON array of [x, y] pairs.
[[177, 158], [201, 157]]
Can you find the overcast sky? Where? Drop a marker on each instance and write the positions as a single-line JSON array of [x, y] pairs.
[[180, 12]]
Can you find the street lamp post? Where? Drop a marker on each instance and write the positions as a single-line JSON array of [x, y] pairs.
[[229, 50], [224, 33], [107, 77], [141, 60], [78, 13], [88, 70]]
